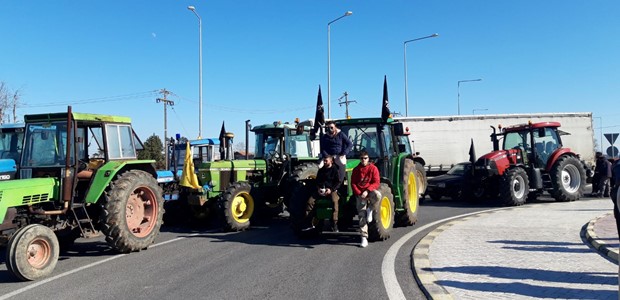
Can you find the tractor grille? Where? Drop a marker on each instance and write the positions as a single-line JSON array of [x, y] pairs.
[[35, 198], [1, 196]]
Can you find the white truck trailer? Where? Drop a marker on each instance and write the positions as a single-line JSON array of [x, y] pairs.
[[444, 141]]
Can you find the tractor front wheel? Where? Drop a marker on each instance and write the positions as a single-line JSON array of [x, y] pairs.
[[132, 214], [514, 187], [410, 194], [568, 179], [32, 252], [237, 206], [383, 215]]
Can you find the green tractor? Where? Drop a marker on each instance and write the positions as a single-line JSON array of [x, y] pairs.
[[241, 189], [79, 176], [391, 153]]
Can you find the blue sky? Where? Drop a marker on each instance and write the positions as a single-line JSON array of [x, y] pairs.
[[264, 60]]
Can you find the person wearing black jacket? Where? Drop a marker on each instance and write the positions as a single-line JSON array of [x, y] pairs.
[[327, 183]]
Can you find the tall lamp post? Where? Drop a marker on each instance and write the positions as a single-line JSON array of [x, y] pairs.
[[405, 52], [601, 131], [193, 9], [473, 111], [346, 14], [458, 92]]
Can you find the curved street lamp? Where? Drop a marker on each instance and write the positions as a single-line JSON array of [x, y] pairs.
[[405, 51], [346, 14], [458, 92], [193, 9]]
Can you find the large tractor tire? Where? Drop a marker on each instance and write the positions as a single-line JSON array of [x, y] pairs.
[[383, 215], [299, 198], [420, 177], [32, 252], [568, 179], [237, 206], [133, 212], [302, 172], [409, 193], [514, 187]]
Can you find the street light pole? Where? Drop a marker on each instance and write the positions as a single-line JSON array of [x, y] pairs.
[[346, 14], [458, 93], [473, 111], [405, 54], [193, 9]]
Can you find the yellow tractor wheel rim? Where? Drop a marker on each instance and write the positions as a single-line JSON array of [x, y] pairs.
[[386, 212], [412, 193], [242, 207]]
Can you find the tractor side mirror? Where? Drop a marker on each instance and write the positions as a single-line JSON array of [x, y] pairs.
[[399, 129], [541, 132]]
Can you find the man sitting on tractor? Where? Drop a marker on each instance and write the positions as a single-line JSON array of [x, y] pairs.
[[327, 183], [365, 181]]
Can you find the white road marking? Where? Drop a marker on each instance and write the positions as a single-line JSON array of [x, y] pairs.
[[61, 275], [388, 272]]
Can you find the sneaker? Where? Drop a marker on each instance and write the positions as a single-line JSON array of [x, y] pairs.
[[364, 242], [308, 228], [369, 215], [335, 227]]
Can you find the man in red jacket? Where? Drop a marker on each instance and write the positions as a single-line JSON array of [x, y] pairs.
[[365, 182]]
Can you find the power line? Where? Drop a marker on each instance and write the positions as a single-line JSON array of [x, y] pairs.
[[148, 94]]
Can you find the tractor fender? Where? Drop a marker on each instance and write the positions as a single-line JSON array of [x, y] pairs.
[[108, 172], [556, 155], [417, 159]]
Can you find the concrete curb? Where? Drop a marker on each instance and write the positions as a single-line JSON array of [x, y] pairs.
[[592, 238]]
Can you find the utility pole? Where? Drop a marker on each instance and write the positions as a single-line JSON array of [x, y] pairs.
[[346, 103], [166, 102]]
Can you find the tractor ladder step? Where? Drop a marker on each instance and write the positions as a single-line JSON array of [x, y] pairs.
[[84, 221]]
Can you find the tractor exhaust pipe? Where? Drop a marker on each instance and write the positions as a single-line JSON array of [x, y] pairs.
[[494, 139], [247, 139]]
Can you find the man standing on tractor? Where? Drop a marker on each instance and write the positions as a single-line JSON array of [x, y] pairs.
[[327, 184], [337, 145], [365, 181]]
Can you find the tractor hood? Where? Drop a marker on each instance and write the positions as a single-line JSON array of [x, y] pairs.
[[496, 162]]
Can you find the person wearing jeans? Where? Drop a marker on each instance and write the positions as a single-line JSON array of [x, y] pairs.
[[365, 183], [337, 145]]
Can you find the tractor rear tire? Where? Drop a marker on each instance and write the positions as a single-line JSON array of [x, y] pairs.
[[420, 177], [568, 179], [300, 193], [237, 206], [410, 194], [133, 211], [514, 187], [383, 215], [32, 252], [302, 172]]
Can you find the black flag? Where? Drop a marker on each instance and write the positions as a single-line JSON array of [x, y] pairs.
[[319, 116], [385, 109], [223, 142], [472, 155]]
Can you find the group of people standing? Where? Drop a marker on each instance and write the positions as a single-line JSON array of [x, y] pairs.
[[335, 145]]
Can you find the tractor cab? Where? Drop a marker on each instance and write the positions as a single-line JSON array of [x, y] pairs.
[[282, 146], [11, 138]]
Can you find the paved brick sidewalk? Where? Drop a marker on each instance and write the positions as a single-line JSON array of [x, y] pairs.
[[529, 252]]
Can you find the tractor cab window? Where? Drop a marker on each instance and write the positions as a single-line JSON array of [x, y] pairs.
[[387, 138], [265, 144], [298, 145], [11, 145], [546, 141], [94, 143], [120, 141], [45, 145], [404, 146], [364, 138], [519, 140]]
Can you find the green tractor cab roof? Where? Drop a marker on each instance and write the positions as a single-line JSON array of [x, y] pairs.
[[279, 125], [76, 116]]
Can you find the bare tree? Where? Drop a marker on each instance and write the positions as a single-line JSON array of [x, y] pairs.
[[9, 101]]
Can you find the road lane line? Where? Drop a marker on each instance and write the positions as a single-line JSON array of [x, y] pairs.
[[388, 271], [50, 279]]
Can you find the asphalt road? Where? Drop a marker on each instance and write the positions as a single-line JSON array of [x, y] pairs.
[[266, 262]]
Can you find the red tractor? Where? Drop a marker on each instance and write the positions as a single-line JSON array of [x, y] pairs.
[[533, 160]]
